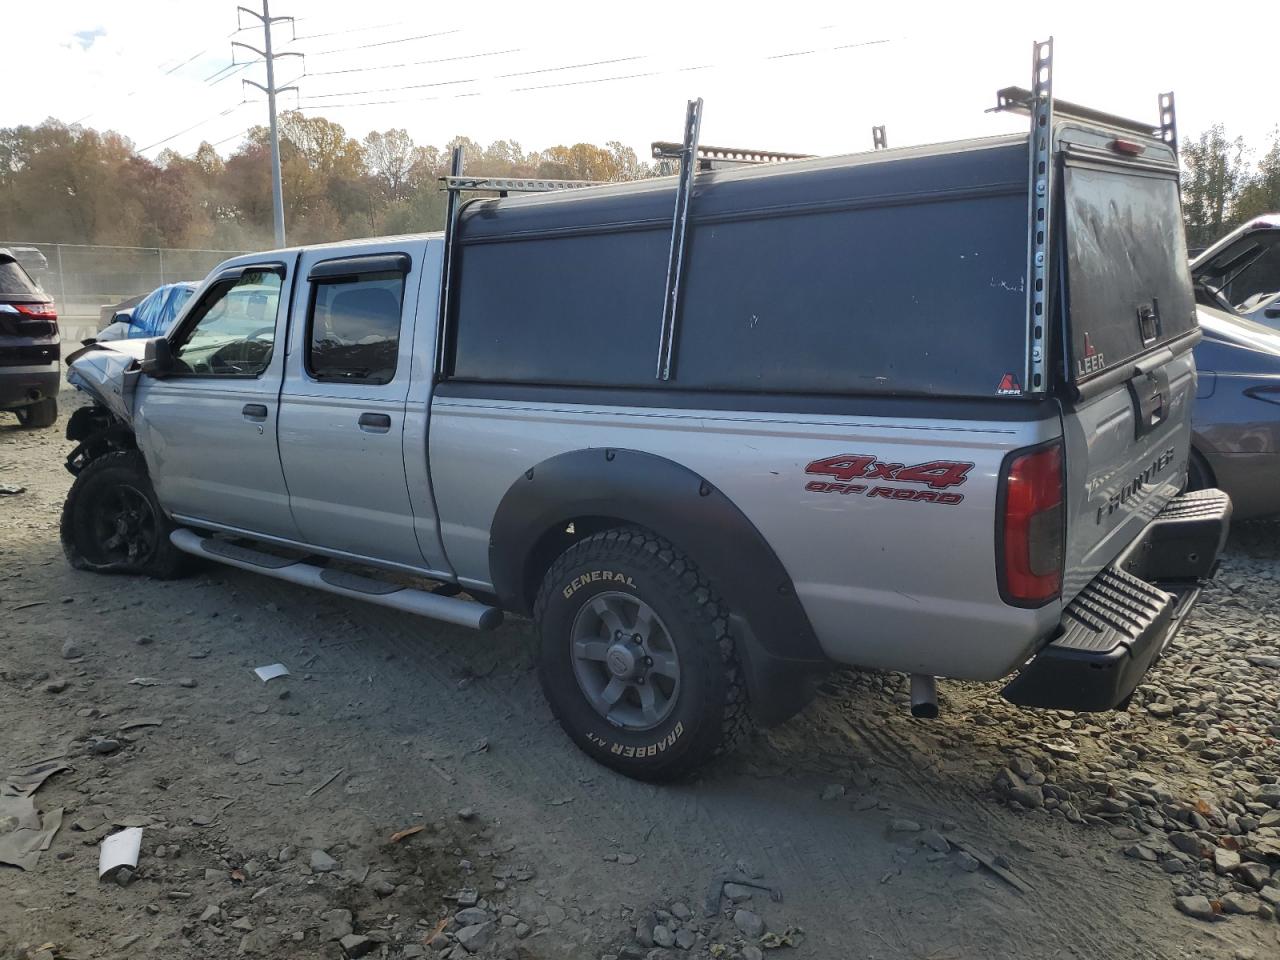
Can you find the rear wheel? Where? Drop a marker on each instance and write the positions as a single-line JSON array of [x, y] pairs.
[[636, 657], [112, 522], [1199, 473], [42, 413]]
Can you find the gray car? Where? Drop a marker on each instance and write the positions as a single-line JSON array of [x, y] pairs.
[[1236, 422]]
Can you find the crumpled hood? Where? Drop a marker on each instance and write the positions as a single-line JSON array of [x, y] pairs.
[[108, 372]]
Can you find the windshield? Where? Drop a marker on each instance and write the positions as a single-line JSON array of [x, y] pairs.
[[1246, 270]]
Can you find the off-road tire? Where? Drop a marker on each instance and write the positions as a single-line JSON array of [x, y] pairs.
[[709, 716], [41, 414], [82, 537]]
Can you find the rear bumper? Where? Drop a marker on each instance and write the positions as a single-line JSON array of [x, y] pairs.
[[20, 386], [1117, 627]]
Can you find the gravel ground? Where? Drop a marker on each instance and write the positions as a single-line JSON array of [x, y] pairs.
[[275, 815]]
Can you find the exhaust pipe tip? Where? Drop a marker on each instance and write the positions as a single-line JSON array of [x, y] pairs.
[[924, 697]]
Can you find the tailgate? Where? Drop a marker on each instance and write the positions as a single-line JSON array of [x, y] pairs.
[[1130, 326]]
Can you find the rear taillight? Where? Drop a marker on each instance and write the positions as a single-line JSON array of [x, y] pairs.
[[1030, 542], [37, 311]]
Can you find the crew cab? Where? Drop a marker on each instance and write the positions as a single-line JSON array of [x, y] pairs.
[[923, 410]]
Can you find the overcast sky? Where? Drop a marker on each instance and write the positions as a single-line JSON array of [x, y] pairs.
[[795, 75]]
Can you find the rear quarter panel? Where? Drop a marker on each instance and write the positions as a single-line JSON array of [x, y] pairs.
[[893, 584]]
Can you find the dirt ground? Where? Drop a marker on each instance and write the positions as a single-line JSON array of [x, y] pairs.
[[269, 808]]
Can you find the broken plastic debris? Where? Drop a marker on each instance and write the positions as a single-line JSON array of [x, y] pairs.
[[271, 671], [119, 850]]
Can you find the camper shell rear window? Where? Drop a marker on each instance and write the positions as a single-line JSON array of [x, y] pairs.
[[1128, 285]]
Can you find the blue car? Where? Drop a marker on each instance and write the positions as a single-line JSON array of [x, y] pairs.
[[153, 316]]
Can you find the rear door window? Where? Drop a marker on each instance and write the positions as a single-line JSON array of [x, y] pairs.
[[1128, 284], [354, 327], [14, 281]]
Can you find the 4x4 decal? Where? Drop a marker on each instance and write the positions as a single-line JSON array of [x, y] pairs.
[[938, 475]]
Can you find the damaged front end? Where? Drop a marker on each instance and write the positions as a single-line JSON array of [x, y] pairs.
[[107, 372]]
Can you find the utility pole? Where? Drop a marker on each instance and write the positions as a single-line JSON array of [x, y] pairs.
[[270, 57]]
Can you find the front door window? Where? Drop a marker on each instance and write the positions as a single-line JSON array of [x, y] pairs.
[[231, 332]]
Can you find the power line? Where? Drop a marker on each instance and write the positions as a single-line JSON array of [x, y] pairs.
[[166, 73], [579, 83], [415, 86], [194, 126], [500, 76], [414, 63], [346, 30], [571, 66], [385, 43]]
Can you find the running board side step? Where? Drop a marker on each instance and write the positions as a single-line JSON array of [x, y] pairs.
[[465, 613]]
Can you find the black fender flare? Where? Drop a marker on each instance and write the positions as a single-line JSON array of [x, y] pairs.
[[775, 638]]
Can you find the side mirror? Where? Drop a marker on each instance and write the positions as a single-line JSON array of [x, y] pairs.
[[157, 358]]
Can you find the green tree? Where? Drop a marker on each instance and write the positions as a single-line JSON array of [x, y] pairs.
[[1214, 174], [1262, 193]]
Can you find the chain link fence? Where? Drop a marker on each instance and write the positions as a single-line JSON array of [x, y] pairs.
[[87, 281]]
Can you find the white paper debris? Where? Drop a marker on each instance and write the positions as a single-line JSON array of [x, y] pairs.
[[271, 671], [119, 850]]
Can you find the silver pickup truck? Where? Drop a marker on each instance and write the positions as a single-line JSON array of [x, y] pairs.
[[922, 410]]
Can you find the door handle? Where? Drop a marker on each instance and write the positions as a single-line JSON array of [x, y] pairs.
[[375, 422], [256, 412]]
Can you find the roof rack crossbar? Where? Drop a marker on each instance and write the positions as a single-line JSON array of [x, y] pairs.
[[1019, 100], [669, 150], [504, 185]]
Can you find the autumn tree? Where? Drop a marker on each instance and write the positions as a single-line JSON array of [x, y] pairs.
[[389, 158]]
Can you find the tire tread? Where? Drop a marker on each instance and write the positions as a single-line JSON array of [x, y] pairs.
[[647, 547]]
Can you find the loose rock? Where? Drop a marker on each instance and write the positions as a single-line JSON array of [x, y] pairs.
[[476, 937], [321, 862], [1196, 906], [748, 923]]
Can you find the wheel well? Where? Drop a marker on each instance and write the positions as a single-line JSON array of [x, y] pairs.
[[555, 541], [1200, 462], [97, 433]]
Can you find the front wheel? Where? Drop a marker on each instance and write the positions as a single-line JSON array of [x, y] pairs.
[[112, 522], [42, 413], [636, 657]]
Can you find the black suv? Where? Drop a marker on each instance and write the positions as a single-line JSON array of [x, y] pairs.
[[29, 346]]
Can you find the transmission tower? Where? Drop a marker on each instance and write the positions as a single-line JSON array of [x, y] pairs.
[[270, 58]]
